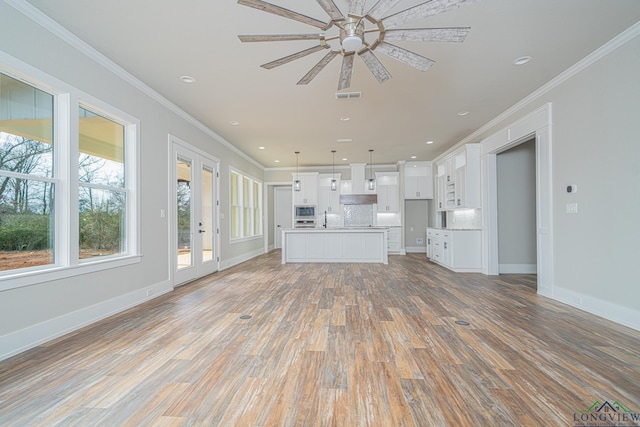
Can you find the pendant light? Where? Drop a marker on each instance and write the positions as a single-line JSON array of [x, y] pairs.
[[372, 182], [297, 185], [334, 183]]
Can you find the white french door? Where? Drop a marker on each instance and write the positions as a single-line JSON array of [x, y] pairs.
[[195, 214]]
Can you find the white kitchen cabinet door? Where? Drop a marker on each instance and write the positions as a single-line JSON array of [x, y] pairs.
[[308, 194], [388, 192], [328, 200], [418, 180]]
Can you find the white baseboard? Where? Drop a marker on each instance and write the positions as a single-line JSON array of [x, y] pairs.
[[518, 268], [610, 311], [228, 263], [32, 336], [416, 249]]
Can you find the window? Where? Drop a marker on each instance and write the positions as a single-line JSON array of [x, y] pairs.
[[27, 185], [66, 198], [246, 206], [102, 194]]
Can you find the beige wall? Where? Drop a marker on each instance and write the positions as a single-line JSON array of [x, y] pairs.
[[81, 298]]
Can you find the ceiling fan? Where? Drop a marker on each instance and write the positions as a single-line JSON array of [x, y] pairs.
[[352, 35]]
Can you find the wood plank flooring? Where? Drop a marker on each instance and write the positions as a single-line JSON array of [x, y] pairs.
[[330, 345]]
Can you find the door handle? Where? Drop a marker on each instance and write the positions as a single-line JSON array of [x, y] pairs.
[[202, 231]]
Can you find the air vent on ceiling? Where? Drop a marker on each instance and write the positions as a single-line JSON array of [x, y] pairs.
[[349, 95]]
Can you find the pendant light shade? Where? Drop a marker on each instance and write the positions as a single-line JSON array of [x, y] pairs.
[[372, 181], [297, 185], [334, 183]]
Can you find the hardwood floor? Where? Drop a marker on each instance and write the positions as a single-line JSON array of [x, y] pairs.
[[330, 344]]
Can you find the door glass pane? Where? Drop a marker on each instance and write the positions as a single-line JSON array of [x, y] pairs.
[[183, 207], [207, 214]]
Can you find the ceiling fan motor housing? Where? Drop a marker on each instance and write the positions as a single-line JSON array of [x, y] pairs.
[[352, 35]]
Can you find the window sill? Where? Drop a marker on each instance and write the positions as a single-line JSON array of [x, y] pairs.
[[33, 277]]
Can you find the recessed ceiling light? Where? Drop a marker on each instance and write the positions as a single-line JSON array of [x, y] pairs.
[[414, 157], [277, 161], [187, 79], [429, 142], [260, 148], [345, 118], [463, 113], [522, 60], [234, 123], [344, 159], [344, 140]]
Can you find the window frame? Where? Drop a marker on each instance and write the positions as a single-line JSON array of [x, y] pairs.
[[242, 208], [66, 103]]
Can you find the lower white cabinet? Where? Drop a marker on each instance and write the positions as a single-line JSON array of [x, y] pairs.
[[429, 242], [368, 245], [394, 240], [458, 250]]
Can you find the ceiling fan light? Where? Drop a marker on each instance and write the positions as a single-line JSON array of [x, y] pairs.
[[351, 43]]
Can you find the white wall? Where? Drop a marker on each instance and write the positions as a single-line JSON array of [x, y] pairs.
[[33, 314], [416, 218], [595, 144]]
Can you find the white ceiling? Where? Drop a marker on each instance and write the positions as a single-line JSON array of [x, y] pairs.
[[160, 40]]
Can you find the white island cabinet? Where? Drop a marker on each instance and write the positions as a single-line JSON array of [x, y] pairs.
[[366, 245]]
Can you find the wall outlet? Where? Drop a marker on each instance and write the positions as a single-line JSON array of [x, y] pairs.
[[149, 292], [419, 241]]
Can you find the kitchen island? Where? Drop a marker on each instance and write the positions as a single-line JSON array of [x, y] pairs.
[[340, 244]]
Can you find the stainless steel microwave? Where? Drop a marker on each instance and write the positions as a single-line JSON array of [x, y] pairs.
[[305, 212]]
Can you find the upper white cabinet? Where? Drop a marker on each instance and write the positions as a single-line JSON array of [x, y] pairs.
[[418, 180], [388, 192], [458, 183], [308, 194], [328, 200]]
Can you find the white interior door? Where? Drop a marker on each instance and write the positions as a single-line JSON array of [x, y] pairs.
[[283, 210], [195, 213]]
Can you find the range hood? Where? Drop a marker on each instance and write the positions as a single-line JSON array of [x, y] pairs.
[[358, 199]]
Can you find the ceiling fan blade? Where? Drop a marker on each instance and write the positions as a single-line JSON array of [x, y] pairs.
[[423, 10], [381, 8], [318, 67], [429, 34], [416, 61], [281, 11], [375, 66], [346, 71], [293, 57], [332, 10], [356, 8], [247, 38]]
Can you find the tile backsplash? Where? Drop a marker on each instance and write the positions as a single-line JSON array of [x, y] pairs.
[[358, 215]]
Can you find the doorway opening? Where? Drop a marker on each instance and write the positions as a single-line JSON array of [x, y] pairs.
[[516, 199], [282, 213]]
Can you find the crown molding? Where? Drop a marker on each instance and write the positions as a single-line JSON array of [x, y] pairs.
[[604, 50], [74, 41]]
